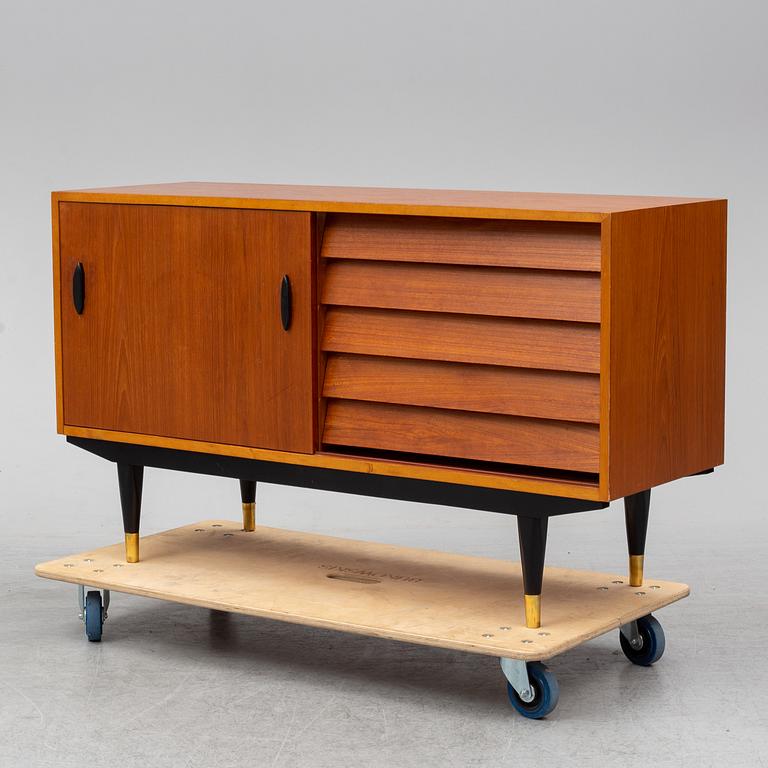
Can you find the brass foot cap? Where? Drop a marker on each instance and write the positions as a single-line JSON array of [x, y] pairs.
[[636, 570], [249, 516], [533, 611], [132, 547]]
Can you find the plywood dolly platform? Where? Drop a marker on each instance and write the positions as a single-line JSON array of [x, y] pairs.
[[523, 353], [420, 596]]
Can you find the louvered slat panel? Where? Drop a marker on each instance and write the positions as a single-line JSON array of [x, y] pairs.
[[474, 340]]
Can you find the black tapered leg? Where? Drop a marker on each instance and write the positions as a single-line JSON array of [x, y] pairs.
[[636, 509], [532, 532], [131, 479], [248, 497]]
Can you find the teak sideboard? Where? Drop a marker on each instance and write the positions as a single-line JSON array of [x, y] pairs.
[[534, 354]]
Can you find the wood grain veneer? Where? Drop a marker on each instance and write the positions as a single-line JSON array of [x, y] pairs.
[[493, 243], [181, 333], [467, 290], [477, 436], [458, 386], [533, 206], [464, 338]]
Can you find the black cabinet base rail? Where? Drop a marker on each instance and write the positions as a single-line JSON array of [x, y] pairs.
[[344, 481]]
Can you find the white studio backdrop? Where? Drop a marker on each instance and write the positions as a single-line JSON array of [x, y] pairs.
[[614, 97]]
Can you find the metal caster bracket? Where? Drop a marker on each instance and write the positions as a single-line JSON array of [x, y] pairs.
[[516, 672], [632, 633], [81, 602]]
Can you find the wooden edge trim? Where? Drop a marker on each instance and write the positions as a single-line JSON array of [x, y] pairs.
[[318, 309], [313, 328], [605, 357], [57, 342], [324, 206], [355, 464]]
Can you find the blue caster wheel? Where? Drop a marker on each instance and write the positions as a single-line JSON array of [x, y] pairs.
[[652, 642], [546, 692], [94, 616]]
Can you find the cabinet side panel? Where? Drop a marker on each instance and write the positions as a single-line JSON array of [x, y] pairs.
[[667, 327]]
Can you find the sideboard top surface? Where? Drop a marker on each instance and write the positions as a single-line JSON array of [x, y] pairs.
[[543, 206]]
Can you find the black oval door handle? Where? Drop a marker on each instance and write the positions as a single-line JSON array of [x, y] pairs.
[[78, 288], [286, 302]]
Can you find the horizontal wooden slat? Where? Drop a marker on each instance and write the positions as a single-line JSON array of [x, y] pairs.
[[460, 386], [489, 242], [549, 294], [462, 338], [475, 436]]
